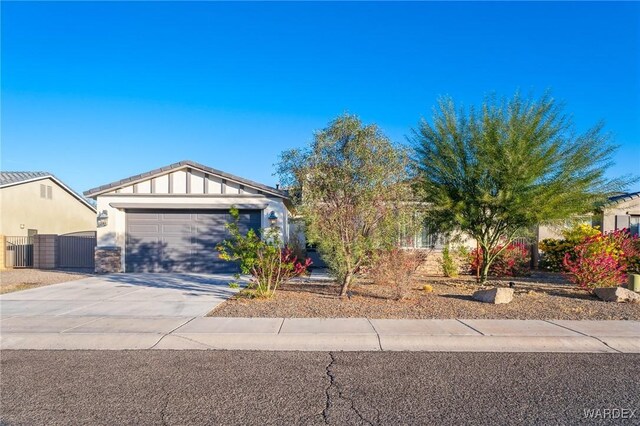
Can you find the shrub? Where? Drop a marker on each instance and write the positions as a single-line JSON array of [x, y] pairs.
[[513, 261], [555, 250], [427, 288], [395, 268], [602, 260], [268, 263], [448, 263], [633, 261]]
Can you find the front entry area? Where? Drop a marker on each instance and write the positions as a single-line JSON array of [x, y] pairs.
[[181, 240]]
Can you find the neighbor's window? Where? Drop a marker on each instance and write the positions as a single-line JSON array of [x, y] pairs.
[[46, 191], [634, 225]]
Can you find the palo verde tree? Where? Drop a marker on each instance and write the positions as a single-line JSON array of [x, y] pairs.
[[351, 187], [507, 167]]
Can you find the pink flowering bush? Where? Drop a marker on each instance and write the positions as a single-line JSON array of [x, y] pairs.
[[602, 260]]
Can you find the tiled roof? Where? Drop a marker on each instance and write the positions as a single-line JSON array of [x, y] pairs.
[[16, 178], [9, 178], [187, 163], [624, 197]]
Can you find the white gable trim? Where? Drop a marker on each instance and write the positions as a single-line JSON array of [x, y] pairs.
[[149, 178]]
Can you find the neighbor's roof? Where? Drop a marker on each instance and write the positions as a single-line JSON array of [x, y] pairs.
[[182, 164], [17, 178], [11, 178], [628, 196]]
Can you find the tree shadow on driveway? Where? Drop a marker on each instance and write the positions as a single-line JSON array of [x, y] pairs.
[[192, 284]]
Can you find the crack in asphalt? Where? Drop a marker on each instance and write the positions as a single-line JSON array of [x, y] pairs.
[[325, 412], [329, 402]]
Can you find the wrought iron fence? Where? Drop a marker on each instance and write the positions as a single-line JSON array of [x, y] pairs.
[[18, 252]]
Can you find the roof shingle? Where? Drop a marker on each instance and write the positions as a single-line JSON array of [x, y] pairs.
[[8, 178]]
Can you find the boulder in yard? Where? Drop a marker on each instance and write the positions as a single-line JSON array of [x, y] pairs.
[[495, 295], [617, 294]]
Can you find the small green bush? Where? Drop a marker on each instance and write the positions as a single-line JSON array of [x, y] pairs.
[[265, 259], [448, 263]]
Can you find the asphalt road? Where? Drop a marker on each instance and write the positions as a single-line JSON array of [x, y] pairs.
[[261, 388]]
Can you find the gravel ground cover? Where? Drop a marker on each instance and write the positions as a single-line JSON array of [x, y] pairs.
[[542, 296], [22, 279]]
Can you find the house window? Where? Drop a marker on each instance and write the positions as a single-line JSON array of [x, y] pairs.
[[49, 192], [634, 225], [427, 237]]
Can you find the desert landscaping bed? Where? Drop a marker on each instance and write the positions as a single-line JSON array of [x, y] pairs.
[[23, 279], [543, 297]]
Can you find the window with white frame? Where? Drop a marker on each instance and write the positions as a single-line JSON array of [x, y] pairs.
[[46, 191], [634, 225], [426, 237]]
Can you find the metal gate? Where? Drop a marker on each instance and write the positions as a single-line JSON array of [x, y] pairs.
[[19, 252], [76, 251]]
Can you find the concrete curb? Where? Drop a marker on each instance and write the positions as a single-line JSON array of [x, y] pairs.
[[321, 334]]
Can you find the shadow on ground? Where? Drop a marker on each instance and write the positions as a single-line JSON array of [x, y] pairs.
[[194, 284]]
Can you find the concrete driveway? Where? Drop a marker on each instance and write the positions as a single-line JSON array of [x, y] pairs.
[[122, 295]]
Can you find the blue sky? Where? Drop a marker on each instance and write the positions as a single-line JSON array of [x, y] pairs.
[[95, 92]]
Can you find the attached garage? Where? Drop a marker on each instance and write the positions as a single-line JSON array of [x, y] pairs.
[[172, 218], [181, 240]]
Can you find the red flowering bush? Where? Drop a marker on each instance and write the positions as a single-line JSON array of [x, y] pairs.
[[513, 261], [602, 260], [297, 268]]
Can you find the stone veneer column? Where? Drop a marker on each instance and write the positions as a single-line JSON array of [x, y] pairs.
[[108, 260], [45, 247]]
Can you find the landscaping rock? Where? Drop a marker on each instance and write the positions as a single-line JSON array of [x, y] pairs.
[[495, 295], [617, 294]]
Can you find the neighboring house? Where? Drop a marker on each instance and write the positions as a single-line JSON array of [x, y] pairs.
[[39, 203], [171, 219], [620, 212]]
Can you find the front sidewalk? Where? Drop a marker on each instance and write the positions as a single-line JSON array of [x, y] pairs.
[[315, 334]]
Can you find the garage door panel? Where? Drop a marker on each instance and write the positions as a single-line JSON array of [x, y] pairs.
[[176, 229], [145, 229], [217, 217], [147, 216], [183, 241], [176, 217]]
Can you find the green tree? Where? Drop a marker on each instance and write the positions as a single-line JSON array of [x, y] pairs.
[[511, 165], [351, 187]]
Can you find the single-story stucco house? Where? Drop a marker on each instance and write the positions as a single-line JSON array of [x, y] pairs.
[[171, 219], [621, 211], [39, 203]]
